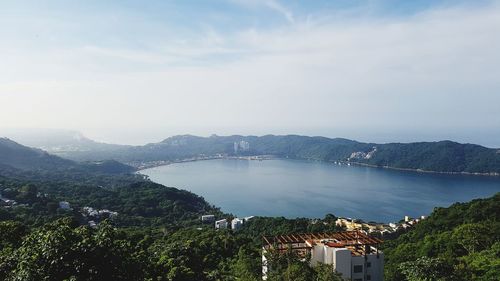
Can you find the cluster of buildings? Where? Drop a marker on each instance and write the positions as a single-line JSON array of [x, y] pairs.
[[241, 146], [236, 223], [353, 254], [362, 155], [379, 229], [94, 215], [406, 223], [10, 202]]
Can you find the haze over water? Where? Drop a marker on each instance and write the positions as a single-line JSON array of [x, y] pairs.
[[294, 188]]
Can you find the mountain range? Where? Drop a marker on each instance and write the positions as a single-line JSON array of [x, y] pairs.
[[440, 156]]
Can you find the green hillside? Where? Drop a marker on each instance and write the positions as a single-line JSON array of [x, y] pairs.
[[461, 242], [22, 157], [31, 159], [443, 156]]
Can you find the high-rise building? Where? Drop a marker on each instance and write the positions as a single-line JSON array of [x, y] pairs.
[[241, 146]]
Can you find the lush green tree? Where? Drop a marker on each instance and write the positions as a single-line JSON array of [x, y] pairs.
[[325, 272], [248, 265], [11, 233], [59, 251], [296, 271], [473, 237], [482, 266], [193, 254], [425, 269]]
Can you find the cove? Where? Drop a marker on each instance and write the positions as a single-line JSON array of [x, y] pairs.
[[294, 188]]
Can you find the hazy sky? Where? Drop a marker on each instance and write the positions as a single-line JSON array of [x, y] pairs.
[[138, 71]]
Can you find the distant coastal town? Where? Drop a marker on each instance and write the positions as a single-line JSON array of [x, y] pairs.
[[151, 164]]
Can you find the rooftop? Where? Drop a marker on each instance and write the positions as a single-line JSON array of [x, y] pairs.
[[356, 241]]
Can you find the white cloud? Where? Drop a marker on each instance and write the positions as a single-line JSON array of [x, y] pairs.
[[275, 5], [270, 4]]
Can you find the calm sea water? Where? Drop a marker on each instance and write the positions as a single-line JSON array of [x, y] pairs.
[[294, 188]]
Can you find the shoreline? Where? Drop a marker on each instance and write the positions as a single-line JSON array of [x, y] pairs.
[[154, 164], [423, 171]]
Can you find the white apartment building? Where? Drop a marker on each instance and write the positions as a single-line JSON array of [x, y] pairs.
[[236, 224], [207, 218], [241, 146], [364, 263], [221, 224], [353, 254]]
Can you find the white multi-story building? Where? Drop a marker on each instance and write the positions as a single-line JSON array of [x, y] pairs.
[[207, 218], [364, 263], [244, 145], [241, 146], [221, 224], [236, 224], [353, 254]]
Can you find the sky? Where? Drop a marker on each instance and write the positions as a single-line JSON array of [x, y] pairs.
[[134, 72]]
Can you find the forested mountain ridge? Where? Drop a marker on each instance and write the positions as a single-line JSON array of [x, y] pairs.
[[441, 156], [23, 157]]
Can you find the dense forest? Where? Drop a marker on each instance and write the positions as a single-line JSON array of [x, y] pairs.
[[442, 156], [77, 223]]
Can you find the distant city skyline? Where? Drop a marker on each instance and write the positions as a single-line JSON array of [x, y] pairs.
[[133, 72]]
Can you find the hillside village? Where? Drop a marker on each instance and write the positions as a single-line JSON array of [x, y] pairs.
[[378, 229]]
